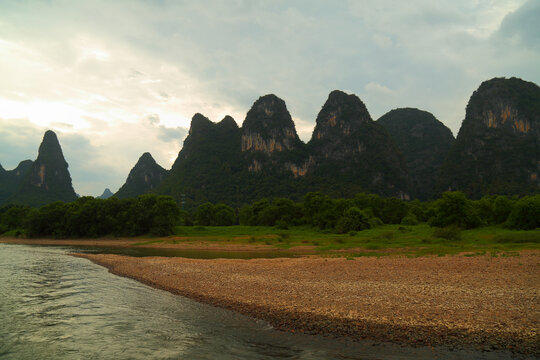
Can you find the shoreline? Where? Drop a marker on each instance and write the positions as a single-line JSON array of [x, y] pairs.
[[477, 302]]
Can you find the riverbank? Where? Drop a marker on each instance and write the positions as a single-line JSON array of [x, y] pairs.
[[482, 302]]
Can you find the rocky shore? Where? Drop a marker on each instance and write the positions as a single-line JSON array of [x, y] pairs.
[[479, 302]]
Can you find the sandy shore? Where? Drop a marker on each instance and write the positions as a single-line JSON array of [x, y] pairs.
[[483, 302]]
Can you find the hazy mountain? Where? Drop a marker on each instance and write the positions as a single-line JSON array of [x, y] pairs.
[[107, 193]]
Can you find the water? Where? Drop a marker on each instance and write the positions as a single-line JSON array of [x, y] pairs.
[[54, 306]]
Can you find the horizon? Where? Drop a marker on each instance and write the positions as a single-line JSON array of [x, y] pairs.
[[128, 81]]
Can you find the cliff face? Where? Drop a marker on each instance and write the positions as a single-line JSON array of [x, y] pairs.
[[269, 143], [424, 142], [497, 149], [268, 127], [145, 176], [353, 151], [48, 178], [341, 115]]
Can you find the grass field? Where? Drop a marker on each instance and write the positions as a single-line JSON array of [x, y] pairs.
[[414, 240]]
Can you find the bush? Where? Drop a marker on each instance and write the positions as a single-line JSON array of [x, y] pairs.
[[448, 233], [453, 208], [353, 219], [526, 214], [282, 225], [374, 222], [409, 220]]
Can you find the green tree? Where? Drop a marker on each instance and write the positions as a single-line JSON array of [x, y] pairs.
[[224, 215], [526, 214], [453, 208], [353, 219]]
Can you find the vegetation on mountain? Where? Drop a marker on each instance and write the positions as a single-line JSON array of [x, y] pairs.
[[10, 180], [143, 177], [497, 150], [354, 152], [424, 142]]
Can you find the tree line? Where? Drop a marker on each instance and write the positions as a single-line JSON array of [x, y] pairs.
[[158, 215], [365, 211], [90, 217]]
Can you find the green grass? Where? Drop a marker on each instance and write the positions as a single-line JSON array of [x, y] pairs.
[[410, 240]]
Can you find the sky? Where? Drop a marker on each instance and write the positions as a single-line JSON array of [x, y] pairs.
[[115, 79]]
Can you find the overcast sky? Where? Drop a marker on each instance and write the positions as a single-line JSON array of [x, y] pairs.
[[117, 78]]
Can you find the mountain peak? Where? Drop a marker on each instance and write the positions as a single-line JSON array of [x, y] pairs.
[[424, 142], [269, 127], [50, 147], [340, 115], [199, 123], [497, 150], [146, 158], [505, 104], [47, 179], [143, 177], [107, 193], [228, 122]]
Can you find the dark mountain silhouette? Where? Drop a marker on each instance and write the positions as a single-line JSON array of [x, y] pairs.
[[145, 176], [10, 180], [47, 179], [424, 141]]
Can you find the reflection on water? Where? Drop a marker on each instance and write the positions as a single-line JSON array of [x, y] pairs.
[[54, 306]]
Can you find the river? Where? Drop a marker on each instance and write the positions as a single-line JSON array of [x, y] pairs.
[[55, 306]]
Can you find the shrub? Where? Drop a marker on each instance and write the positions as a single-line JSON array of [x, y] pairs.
[[353, 219], [526, 214], [409, 220], [374, 222], [448, 233], [282, 225], [453, 208]]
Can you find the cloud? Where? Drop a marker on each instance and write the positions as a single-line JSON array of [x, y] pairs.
[[522, 25]]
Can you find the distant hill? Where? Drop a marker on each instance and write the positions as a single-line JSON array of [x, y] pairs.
[[45, 180], [497, 150], [107, 193], [424, 141], [145, 176]]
